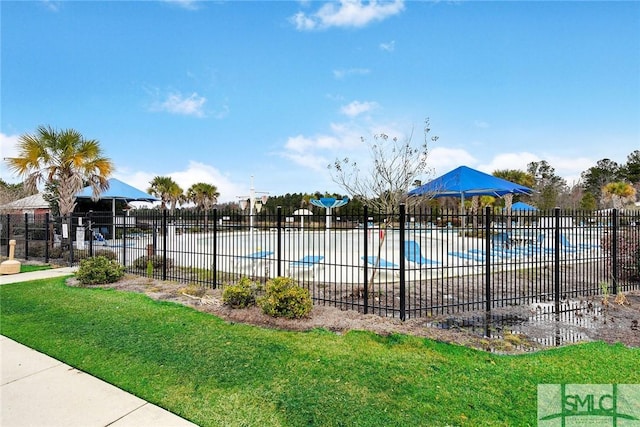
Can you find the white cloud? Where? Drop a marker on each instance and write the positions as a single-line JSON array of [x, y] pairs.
[[347, 13], [443, 159], [388, 47], [341, 74], [8, 148], [509, 161], [53, 6], [356, 108], [310, 161], [176, 103], [185, 4]]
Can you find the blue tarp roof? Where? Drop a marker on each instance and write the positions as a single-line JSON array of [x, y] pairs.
[[467, 182], [118, 190]]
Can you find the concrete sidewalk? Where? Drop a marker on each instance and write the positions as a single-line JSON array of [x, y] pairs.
[[37, 390], [5, 279]]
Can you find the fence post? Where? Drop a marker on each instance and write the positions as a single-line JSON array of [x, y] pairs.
[[614, 250], [8, 232], [26, 236], [214, 266], [403, 285], [556, 259], [69, 220], [90, 227], [279, 242], [46, 238], [487, 257], [366, 254], [164, 244], [124, 241]]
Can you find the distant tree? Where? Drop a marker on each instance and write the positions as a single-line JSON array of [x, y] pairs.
[[548, 185], [618, 192], [631, 170], [571, 198], [517, 176], [167, 190], [204, 196], [595, 178], [65, 160], [11, 192], [588, 202]]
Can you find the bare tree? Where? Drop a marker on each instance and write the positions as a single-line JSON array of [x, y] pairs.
[[395, 166]]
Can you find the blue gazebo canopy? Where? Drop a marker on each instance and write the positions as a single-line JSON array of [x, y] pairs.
[[467, 182]]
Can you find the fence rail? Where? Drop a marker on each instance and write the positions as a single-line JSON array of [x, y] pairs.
[[406, 264]]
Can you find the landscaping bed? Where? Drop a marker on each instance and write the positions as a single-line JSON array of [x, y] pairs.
[[529, 329]]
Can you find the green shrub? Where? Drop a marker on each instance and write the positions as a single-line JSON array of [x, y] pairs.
[[105, 253], [98, 270], [240, 295], [36, 249], [284, 298], [142, 263], [77, 254]]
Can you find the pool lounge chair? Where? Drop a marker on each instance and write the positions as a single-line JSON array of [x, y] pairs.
[[413, 254], [382, 265], [98, 238], [308, 264]]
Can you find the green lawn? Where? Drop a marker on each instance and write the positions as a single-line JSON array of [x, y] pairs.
[[29, 267], [220, 374]]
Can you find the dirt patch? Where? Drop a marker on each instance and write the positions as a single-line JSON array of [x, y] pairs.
[[518, 329]]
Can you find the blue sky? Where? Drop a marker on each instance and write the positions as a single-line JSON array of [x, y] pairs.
[[214, 91]]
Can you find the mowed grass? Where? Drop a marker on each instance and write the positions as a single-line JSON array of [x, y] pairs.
[[219, 374], [32, 267]]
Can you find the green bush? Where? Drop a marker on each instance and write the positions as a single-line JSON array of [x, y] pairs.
[[284, 298], [240, 295], [142, 263], [105, 253], [99, 270]]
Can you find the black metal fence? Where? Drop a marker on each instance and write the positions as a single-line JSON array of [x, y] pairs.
[[406, 264]]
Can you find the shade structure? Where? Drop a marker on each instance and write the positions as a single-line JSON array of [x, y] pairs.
[[522, 206], [329, 203], [467, 182], [302, 213], [118, 190]]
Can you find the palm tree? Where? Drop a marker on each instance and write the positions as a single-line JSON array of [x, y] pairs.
[[64, 160], [204, 196], [618, 192], [167, 190]]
